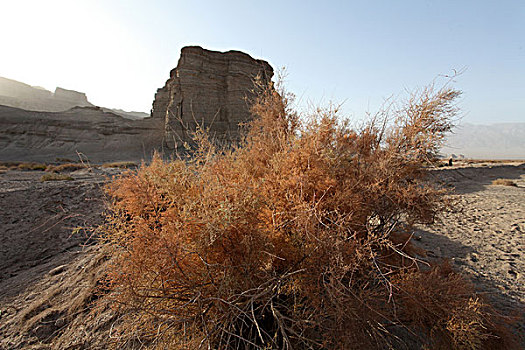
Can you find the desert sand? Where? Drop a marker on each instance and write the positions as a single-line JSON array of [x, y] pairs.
[[483, 233], [50, 267]]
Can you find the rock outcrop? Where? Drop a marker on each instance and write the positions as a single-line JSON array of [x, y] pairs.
[[33, 98], [210, 89], [72, 96], [207, 88]]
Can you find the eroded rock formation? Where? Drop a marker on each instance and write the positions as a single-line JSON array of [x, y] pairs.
[[207, 88], [211, 89], [72, 96]]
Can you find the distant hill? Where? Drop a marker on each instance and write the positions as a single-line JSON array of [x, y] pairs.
[[98, 134], [35, 98], [495, 141], [16, 94], [129, 115]]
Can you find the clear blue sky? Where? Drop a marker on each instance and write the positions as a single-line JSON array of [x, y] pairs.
[[361, 52]]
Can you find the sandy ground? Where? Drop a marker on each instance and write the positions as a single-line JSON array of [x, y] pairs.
[[48, 274], [40, 220], [483, 233], [48, 268]]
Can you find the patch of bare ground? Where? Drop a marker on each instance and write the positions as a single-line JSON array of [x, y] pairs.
[[484, 232], [49, 270]]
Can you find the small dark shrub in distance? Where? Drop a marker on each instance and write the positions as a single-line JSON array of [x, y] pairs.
[[300, 238], [26, 166], [122, 165], [55, 177], [66, 167], [504, 182]]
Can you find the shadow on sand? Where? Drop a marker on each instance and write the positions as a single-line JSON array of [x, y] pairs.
[[463, 258], [474, 179]]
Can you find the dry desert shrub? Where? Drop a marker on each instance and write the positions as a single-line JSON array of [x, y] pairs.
[[122, 165], [28, 166], [504, 182], [66, 167], [55, 177], [299, 238]]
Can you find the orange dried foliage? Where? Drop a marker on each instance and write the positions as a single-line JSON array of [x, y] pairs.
[[299, 238]]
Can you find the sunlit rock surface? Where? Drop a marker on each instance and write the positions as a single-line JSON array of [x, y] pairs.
[[211, 89], [207, 88]]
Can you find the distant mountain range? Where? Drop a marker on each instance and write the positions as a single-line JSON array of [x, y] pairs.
[[34, 98], [494, 141]]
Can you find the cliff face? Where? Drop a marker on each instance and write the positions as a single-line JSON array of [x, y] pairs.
[[75, 97], [207, 88], [211, 89]]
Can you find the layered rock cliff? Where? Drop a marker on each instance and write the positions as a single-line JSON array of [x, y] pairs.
[[210, 89], [207, 88]]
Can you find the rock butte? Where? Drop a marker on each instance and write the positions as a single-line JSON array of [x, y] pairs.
[[210, 89], [207, 88]]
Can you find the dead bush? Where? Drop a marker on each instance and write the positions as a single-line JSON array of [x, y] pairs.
[[504, 182], [28, 166], [66, 167], [55, 177], [299, 238], [122, 165]]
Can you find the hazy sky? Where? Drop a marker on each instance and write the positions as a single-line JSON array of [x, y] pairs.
[[361, 52]]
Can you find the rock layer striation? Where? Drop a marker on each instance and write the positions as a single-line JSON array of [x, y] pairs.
[[209, 89]]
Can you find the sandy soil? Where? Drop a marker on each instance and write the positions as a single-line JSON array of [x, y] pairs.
[[483, 234], [48, 276], [48, 268], [40, 220]]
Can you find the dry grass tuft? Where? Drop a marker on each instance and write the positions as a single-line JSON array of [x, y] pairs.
[[504, 182], [27, 166], [122, 165], [299, 238], [66, 167], [55, 177], [65, 305]]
